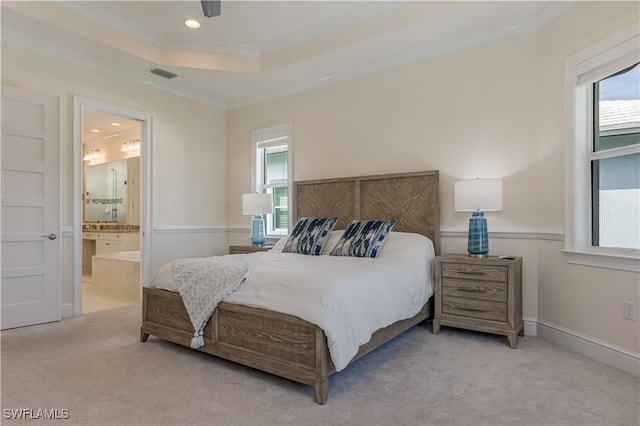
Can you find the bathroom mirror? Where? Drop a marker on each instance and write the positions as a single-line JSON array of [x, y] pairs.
[[111, 170], [110, 191], [105, 194]]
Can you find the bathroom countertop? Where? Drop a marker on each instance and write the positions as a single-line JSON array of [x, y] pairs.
[[109, 227]]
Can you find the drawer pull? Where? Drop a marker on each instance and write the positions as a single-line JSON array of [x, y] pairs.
[[472, 289], [470, 309], [469, 271]]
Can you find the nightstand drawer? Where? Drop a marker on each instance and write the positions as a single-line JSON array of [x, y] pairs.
[[492, 291], [474, 308], [475, 272]]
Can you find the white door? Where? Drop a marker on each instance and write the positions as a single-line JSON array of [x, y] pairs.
[[30, 286]]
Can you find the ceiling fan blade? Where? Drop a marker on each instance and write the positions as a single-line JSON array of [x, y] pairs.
[[211, 8]]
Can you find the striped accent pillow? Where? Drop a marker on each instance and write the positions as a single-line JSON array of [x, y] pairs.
[[309, 235], [363, 238]]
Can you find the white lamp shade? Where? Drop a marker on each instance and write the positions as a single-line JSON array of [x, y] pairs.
[[258, 203], [478, 195]]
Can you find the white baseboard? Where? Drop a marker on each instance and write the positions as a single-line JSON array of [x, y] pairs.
[[530, 326], [67, 311], [607, 353]]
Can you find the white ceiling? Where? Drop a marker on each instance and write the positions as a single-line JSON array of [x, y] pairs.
[[261, 49], [98, 127]]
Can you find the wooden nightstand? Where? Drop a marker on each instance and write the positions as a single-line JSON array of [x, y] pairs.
[[481, 294], [248, 249]]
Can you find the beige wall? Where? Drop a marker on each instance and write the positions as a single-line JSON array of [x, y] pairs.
[[491, 111], [415, 117], [189, 158], [584, 299]]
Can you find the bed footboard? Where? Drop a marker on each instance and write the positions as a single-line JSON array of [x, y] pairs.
[[279, 344], [276, 343]]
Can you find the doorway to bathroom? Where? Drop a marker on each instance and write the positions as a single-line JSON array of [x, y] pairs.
[[110, 210], [111, 146]]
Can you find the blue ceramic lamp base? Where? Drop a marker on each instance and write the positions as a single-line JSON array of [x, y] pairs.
[[257, 230], [478, 238]]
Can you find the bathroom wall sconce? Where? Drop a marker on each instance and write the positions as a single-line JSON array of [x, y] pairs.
[[92, 154], [131, 145]]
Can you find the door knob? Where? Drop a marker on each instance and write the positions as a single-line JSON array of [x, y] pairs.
[[51, 236]]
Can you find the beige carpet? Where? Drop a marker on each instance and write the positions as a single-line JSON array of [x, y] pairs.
[[95, 367]]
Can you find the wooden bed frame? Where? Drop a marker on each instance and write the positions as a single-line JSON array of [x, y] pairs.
[[285, 345]]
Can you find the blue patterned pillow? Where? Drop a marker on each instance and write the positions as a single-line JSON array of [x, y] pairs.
[[309, 235], [363, 238]]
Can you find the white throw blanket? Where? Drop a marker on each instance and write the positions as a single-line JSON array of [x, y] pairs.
[[204, 282]]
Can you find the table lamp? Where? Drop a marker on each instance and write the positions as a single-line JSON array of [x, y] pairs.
[[257, 205], [478, 196]]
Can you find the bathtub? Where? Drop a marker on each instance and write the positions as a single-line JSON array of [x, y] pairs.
[[117, 275]]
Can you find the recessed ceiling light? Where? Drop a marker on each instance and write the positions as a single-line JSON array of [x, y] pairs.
[[95, 131], [192, 23], [115, 124]]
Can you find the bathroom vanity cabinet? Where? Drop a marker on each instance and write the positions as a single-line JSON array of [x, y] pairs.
[[102, 242]]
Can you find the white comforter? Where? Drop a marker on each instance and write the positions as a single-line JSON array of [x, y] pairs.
[[349, 298]]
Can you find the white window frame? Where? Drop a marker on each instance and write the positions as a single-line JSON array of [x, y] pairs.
[[592, 64], [261, 138]]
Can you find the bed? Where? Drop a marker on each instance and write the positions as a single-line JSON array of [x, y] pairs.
[[284, 344]]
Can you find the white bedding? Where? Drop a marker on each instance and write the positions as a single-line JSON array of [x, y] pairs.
[[348, 297]]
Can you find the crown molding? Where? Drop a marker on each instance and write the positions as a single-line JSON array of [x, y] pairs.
[[118, 23], [411, 53], [243, 50], [74, 57], [125, 26], [329, 26]]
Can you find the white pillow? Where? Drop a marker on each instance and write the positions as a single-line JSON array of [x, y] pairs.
[[407, 245], [333, 239]]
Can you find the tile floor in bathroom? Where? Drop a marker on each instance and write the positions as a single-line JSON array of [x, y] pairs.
[[92, 300]]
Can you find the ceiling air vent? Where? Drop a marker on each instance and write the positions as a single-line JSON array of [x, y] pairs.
[[163, 73]]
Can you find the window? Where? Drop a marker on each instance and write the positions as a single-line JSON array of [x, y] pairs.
[[603, 185], [272, 174], [615, 160]]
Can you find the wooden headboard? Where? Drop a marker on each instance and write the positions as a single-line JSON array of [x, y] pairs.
[[412, 199]]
